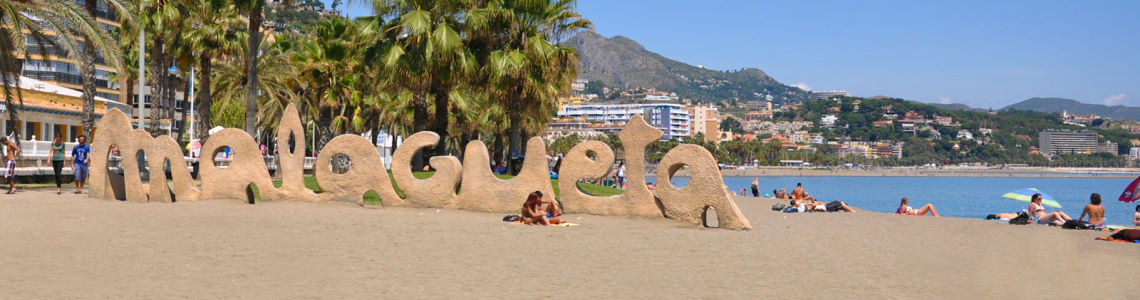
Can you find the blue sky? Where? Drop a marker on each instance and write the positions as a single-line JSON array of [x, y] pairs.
[[981, 53]]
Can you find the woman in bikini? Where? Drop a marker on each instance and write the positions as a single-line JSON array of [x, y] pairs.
[[532, 212], [1038, 210], [905, 209]]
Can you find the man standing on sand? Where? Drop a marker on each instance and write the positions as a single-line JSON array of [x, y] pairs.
[[10, 163], [79, 162]]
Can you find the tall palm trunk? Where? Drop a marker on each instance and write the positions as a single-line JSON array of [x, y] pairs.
[[204, 100], [251, 69], [156, 85], [185, 110], [515, 143], [419, 123], [87, 72], [441, 112]]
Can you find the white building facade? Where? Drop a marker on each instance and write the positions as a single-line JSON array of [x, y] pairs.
[[672, 119]]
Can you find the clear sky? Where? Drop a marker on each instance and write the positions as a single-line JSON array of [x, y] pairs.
[[981, 53]]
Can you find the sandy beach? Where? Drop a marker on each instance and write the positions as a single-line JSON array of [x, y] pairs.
[[73, 247]]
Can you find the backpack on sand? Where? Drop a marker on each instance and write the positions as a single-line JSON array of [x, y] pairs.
[[1021, 219]]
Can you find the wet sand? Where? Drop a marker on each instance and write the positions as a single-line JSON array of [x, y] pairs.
[[73, 247]]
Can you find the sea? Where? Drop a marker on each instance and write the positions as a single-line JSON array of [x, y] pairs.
[[964, 197]]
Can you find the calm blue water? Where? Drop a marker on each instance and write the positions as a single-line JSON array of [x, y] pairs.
[[968, 197]]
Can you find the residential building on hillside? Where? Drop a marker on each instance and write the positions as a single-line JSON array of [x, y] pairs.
[[1053, 141], [827, 94], [1108, 147], [1134, 153], [579, 85], [705, 120], [828, 121], [672, 119], [965, 135]]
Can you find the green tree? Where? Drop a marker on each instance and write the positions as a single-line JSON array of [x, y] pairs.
[[214, 31]]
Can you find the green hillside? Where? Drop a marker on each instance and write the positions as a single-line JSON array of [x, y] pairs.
[[620, 62]]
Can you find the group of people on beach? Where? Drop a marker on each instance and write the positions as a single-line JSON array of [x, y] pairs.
[[1094, 211], [78, 163], [801, 201]]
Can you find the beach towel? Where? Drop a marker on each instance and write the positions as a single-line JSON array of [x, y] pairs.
[[566, 224]]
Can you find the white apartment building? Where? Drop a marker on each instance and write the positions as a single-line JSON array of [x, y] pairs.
[[672, 119]]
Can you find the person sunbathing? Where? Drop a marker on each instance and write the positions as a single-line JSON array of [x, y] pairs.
[[905, 209], [1094, 210], [1038, 210], [813, 205], [532, 212], [780, 194], [1002, 216]]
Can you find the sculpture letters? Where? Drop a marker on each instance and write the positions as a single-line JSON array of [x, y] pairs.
[[469, 185]]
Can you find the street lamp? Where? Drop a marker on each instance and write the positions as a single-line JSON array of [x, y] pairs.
[[170, 128]]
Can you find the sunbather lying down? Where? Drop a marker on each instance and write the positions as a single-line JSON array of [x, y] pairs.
[[1129, 235], [812, 205], [532, 212]]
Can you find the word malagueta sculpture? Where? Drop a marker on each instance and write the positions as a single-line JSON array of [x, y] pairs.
[[481, 190]]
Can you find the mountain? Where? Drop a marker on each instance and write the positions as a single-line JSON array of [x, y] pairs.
[[622, 62], [951, 106], [1056, 105]]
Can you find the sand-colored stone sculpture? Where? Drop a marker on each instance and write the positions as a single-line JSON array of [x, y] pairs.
[[247, 167], [115, 130], [705, 189], [437, 191], [482, 191], [164, 149], [291, 160], [636, 200], [366, 173]]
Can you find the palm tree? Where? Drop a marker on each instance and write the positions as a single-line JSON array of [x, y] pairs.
[[229, 84], [215, 30], [35, 19], [101, 39], [426, 56], [526, 66]]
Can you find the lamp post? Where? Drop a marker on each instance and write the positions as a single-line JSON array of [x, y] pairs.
[[191, 97], [142, 74], [173, 71]]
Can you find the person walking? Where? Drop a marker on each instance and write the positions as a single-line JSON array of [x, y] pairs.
[[10, 163], [621, 175], [79, 161], [57, 162]]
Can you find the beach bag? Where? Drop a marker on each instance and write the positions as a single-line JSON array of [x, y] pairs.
[[1021, 219], [778, 207], [1074, 224], [511, 218]]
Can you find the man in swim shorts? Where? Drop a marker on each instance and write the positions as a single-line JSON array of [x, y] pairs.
[[10, 163]]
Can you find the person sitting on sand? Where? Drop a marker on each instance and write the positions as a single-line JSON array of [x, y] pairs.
[[1038, 210], [780, 194], [799, 193], [532, 212], [1094, 210], [1136, 216], [905, 209]]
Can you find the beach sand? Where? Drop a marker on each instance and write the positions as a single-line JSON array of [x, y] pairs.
[[73, 247]]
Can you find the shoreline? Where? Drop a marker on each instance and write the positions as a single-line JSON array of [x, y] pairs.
[[913, 172]]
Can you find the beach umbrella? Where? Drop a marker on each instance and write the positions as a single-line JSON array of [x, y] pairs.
[[1132, 192], [1026, 195]]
